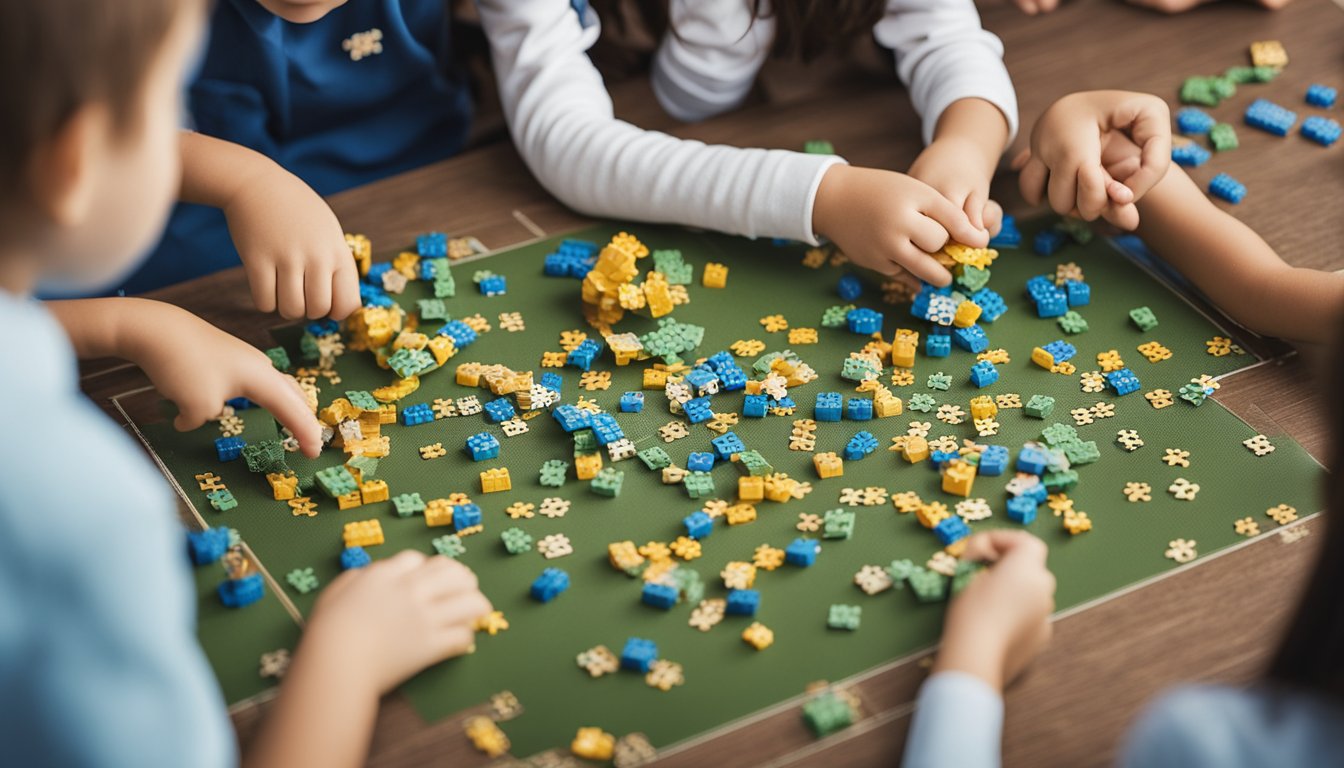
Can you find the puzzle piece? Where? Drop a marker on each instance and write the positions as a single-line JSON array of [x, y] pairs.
[[595, 380], [1259, 445], [512, 322], [1129, 439], [673, 431], [555, 545], [1282, 514], [1159, 398], [873, 579], [1247, 527], [520, 510], [1154, 351], [1092, 381], [1082, 416], [1181, 550], [598, 661], [1176, 457], [1183, 489], [664, 675], [553, 507], [433, 451], [774, 323], [1135, 492], [972, 510]]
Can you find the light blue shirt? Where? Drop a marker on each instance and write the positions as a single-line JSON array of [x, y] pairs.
[[99, 663], [959, 722]]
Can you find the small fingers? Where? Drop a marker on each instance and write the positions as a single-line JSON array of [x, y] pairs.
[[317, 284], [974, 208], [954, 221], [1092, 195], [344, 292], [261, 280], [993, 216], [1125, 216], [280, 395], [1032, 180], [1063, 188], [289, 292]]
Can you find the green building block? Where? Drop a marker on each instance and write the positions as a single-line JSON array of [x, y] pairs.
[[407, 362], [408, 504], [265, 456], [1081, 452], [1040, 406], [939, 381], [1223, 137], [516, 541], [1076, 229], [308, 347], [922, 402], [554, 472], [608, 482], [689, 583], [827, 713], [844, 617], [367, 466], [699, 485], [928, 586], [303, 580], [837, 524], [818, 147], [1194, 394], [445, 287], [585, 442], [859, 369], [1057, 434], [449, 546], [437, 267], [1198, 90], [433, 309], [1240, 75], [279, 358], [1059, 480], [754, 463], [362, 399], [1072, 322], [336, 481], [900, 571], [1264, 74], [1144, 318], [966, 571], [655, 458], [834, 317], [972, 278], [221, 501]]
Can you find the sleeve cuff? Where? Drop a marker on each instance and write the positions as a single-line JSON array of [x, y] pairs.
[[806, 233], [958, 722]]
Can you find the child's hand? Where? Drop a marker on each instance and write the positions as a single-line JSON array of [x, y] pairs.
[[1033, 7], [383, 623], [890, 222], [198, 367], [950, 165], [1002, 619], [1078, 137], [293, 248]]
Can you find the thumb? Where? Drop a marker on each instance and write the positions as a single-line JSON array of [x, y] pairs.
[[955, 221]]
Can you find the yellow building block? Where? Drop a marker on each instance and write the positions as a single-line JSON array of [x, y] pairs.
[[387, 414], [932, 513], [1042, 358], [983, 407], [903, 354], [740, 513], [624, 556], [588, 465], [283, 487], [469, 374], [438, 512], [396, 390], [339, 410], [593, 744], [442, 348], [362, 251], [916, 450], [486, 736], [363, 533], [779, 489], [886, 405], [828, 465], [715, 275], [658, 295], [967, 313], [495, 480], [1269, 53], [958, 477], [373, 490], [655, 378], [751, 488], [408, 264], [758, 636], [349, 500], [409, 339]]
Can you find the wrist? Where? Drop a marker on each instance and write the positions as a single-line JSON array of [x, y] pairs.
[[830, 189], [973, 651]]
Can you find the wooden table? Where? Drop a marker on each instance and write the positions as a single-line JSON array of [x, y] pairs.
[[1207, 622]]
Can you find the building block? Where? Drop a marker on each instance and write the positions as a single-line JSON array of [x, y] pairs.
[[1123, 381], [207, 546], [802, 552], [699, 485], [608, 482], [655, 458], [968, 312], [572, 418], [727, 445], [1009, 235], [829, 407], [638, 654], [1223, 137], [240, 593], [1079, 293], [222, 500], [1321, 96], [991, 304], [698, 524], [755, 406], [354, 557], [983, 373], [827, 713], [494, 285], [549, 585], [838, 524], [1270, 117], [1193, 122], [466, 516], [1039, 406], [499, 409], [586, 466], [632, 402], [432, 245], [849, 288], [859, 409], [698, 410], [993, 461], [461, 333], [662, 596], [593, 744], [1190, 155], [1144, 318], [1060, 351], [229, 448], [743, 602], [414, 415], [715, 275], [482, 446], [864, 321], [1227, 188], [1321, 130], [828, 465], [938, 344], [958, 477], [1022, 510], [495, 480], [700, 461], [1048, 241], [950, 530], [972, 339], [363, 533]]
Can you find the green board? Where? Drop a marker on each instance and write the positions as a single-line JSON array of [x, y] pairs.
[[725, 678]]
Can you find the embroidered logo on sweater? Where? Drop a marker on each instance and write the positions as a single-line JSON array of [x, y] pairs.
[[363, 44]]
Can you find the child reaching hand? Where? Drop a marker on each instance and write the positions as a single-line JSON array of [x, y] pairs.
[[98, 656]]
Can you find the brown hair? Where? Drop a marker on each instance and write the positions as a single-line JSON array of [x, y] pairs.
[[1309, 657], [57, 56]]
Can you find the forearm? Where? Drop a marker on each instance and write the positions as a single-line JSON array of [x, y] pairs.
[[214, 171], [1235, 268], [323, 717], [115, 327], [979, 127]]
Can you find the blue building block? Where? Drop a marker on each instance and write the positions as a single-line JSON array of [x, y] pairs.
[[432, 245], [993, 461], [698, 524], [1227, 188], [229, 448], [606, 429], [638, 654], [860, 445], [662, 596], [1052, 304], [938, 343], [700, 461], [413, 415], [461, 333], [499, 409], [376, 271], [859, 409], [466, 516], [1037, 493], [1079, 293], [983, 373], [1039, 285], [549, 585], [697, 410], [829, 407], [494, 285], [849, 288], [207, 546], [1321, 130], [1322, 96], [632, 402], [1060, 350], [743, 602], [754, 406], [373, 296], [239, 593], [354, 557], [1048, 241], [802, 552], [1021, 510], [726, 445], [991, 304], [1193, 122], [572, 418], [1270, 117], [950, 530], [786, 403], [702, 381], [584, 354], [240, 403], [1009, 235], [972, 339], [1123, 381], [552, 381], [324, 327], [938, 459], [864, 321], [1032, 460], [732, 379], [1190, 155]]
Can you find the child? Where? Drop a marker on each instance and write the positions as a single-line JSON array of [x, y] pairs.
[[98, 658], [1082, 146], [562, 121], [294, 96]]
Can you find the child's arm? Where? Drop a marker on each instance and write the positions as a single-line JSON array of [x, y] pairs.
[[192, 363], [371, 629], [998, 624], [1235, 268], [960, 162], [291, 244], [563, 124]]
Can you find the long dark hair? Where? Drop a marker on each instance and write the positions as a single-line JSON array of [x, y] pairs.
[[1311, 657], [804, 29]]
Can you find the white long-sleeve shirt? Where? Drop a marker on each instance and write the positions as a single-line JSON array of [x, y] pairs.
[[562, 120]]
